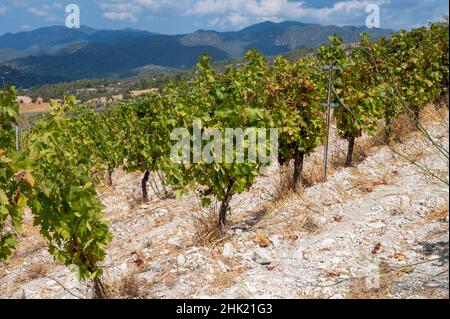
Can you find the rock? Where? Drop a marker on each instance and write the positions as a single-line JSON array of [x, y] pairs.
[[251, 288], [156, 266], [262, 256], [175, 240], [222, 266], [327, 243], [123, 267], [299, 253], [161, 211], [181, 260], [335, 261], [376, 225], [228, 251], [275, 239]]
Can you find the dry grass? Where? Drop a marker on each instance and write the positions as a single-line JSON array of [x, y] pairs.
[[305, 223], [206, 224], [158, 186], [313, 170], [34, 108], [433, 113], [359, 288], [225, 280], [402, 128], [134, 198], [364, 147], [285, 183], [439, 214], [283, 192], [363, 183], [128, 287], [38, 269]]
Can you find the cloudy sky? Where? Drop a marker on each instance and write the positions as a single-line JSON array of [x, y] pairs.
[[183, 16]]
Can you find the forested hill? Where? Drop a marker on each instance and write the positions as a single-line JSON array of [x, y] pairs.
[[57, 53]]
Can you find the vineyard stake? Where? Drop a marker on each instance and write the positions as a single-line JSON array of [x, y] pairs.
[[329, 105], [17, 137]]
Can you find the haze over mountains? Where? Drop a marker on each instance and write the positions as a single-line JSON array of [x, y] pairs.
[[55, 54]]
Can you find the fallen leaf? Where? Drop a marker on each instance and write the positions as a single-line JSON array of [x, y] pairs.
[[270, 268], [159, 222], [293, 237], [137, 259], [338, 218], [138, 262], [333, 273], [262, 240], [376, 249], [399, 256]]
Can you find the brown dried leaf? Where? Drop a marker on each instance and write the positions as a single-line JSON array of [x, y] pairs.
[[333, 273], [376, 249], [399, 256], [262, 240], [338, 218]]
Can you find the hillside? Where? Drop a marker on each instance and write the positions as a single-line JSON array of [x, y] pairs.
[[89, 53], [24, 78], [320, 243]]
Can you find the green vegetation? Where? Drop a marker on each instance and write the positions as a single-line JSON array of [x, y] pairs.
[[57, 173]]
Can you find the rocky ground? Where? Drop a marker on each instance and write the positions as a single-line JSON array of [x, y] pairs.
[[376, 230]]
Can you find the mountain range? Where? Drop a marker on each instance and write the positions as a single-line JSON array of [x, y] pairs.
[[54, 54]]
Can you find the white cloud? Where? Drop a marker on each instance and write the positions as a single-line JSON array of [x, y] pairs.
[[226, 14], [130, 10], [3, 9], [121, 16], [47, 11], [25, 27], [39, 12], [238, 13]]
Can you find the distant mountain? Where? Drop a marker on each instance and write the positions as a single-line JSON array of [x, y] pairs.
[[70, 54], [276, 38], [52, 39], [117, 59]]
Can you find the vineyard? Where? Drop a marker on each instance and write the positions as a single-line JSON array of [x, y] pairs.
[[65, 157]]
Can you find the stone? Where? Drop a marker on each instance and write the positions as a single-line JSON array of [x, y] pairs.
[[181, 260], [228, 251], [222, 266], [299, 253], [327, 243], [123, 267], [161, 211], [275, 239], [175, 240], [376, 225], [262, 256]]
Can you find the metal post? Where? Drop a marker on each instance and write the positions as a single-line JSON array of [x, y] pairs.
[[17, 138], [329, 106], [330, 87]]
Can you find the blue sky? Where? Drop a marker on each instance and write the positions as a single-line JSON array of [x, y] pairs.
[[183, 16]]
